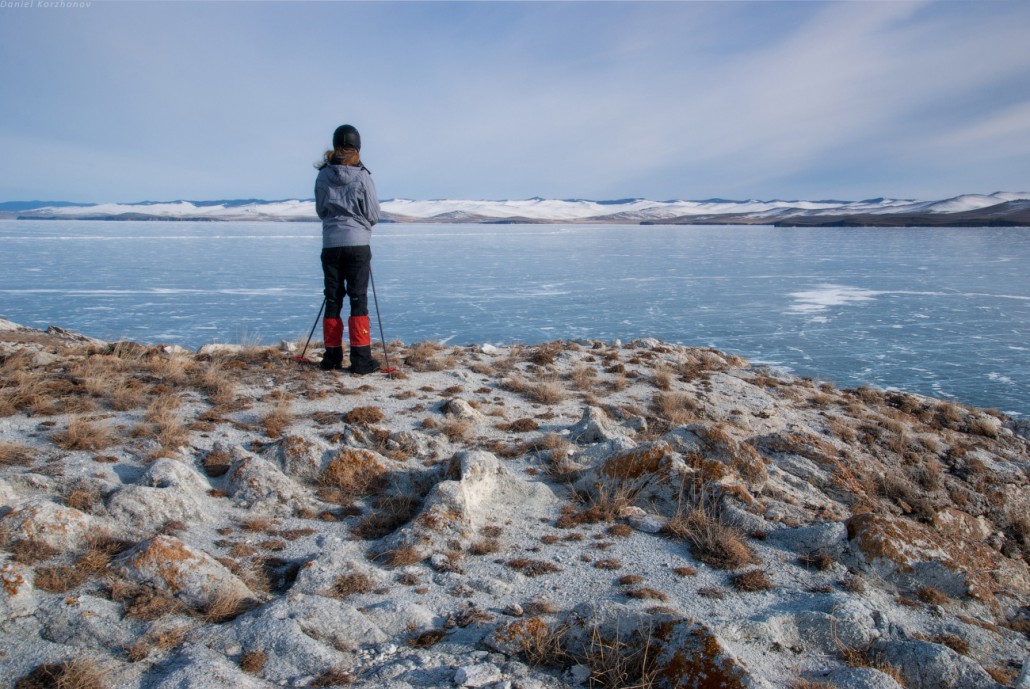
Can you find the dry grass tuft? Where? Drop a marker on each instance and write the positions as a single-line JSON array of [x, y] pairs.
[[630, 579], [752, 580], [58, 579], [82, 434], [548, 391], [684, 571], [363, 416], [279, 417], [226, 606], [334, 677], [458, 430], [646, 593], [427, 638], [932, 596], [712, 540], [350, 584], [252, 662], [403, 556], [13, 454], [355, 472], [608, 563], [81, 673], [533, 568], [162, 423], [620, 530], [678, 408], [392, 512], [429, 356]]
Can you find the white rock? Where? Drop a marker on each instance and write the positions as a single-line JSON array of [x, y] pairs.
[[220, 349], [489, 349], [189, 574], [477, 675], [16, 591], [256, 482], [46, 522]]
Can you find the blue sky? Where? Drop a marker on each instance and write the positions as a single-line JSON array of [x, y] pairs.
[[126, 101]]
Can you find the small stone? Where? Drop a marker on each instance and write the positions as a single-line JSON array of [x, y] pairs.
[[477, 675], [514, 610], [579, 674], [489, 349]]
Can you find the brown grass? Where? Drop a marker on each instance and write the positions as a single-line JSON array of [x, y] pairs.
[[609, 563], [363, 416], [13, 454], [334, 677], [647, 593], [677, 408], [279, 417], [533, 568], [429, 356], [712, 540], [226, 606], [403, 556], [162, 423], [684, 571], [82, 434], [350, 584], [252, 662], [548, 391], [355, 472], [392, 512], [58, 579], [458, 430], [932, 596], [620, 530], [81, 673], [752, 580]]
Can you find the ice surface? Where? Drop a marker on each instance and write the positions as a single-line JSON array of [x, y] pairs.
[[825, 302]]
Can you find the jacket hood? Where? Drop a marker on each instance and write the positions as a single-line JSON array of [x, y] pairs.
[[343, 174]]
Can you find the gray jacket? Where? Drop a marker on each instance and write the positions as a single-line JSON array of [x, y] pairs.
[[345, 200]]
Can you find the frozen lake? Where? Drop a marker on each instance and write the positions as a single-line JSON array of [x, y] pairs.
[[944, 312]]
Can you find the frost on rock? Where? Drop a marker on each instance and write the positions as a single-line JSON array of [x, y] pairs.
[[257, 483], [87, 622], [302, 459], [168, 490], [595, 427], [301, 634], [454, 509], [16, 591], [192, 576], [46, 523], [196, 667], [925, 664]]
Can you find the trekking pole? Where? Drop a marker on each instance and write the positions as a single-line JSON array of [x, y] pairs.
[[314, 325], [382, 336]]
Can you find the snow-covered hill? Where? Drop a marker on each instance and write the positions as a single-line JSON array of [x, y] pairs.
[[997, 207]]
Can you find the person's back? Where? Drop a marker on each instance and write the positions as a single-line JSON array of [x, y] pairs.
[[345, 199]]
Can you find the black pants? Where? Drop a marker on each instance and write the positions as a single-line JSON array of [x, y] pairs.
[[346, 270]]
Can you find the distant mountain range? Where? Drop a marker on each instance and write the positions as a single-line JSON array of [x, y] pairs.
[[997, 209]]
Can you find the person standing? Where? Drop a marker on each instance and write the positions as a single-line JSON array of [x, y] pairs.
[[346, 202]]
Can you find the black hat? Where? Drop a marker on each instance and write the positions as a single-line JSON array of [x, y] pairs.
[[346, 136]]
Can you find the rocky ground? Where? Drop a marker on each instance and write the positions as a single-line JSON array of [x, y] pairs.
[[561, 515]]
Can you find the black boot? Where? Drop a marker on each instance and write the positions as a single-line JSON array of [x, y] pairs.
[[361, 361], [333, 359]]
